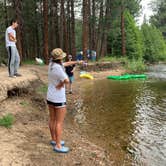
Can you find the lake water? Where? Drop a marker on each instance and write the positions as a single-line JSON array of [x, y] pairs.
[[127, 118]]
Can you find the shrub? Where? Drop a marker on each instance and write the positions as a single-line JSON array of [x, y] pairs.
[[135, 65], [7, 120]]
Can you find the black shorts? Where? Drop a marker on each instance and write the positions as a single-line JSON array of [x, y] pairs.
[[57, 105]]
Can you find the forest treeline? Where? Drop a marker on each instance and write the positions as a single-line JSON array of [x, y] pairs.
[[109, 27]]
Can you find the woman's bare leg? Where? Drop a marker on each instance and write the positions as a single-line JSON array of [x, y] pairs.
[[52, 122], [70, 87], [60, 115]]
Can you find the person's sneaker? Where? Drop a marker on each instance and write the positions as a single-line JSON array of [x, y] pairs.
[[12, 76], [63, 149], [18, 75]]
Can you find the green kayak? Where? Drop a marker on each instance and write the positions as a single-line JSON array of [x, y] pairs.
[[127, 76]]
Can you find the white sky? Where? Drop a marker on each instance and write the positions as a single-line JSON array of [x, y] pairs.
[[146, 11]]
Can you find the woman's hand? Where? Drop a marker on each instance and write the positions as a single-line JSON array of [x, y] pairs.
[[60, 85], [80, 62]]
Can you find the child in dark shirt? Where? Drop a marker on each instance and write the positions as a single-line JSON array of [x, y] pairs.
[[70, 72]]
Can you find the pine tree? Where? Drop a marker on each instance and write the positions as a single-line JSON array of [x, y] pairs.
[[134, 44], [154, 44]]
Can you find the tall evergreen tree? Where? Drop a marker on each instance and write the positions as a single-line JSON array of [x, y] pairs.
[[159, 18], [134, 44], [154, 44], [133, 38]]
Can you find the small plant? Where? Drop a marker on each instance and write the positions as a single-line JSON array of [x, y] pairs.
[[113, 59], [7, 120], [136, 65], [29, 62], [42, 89], [24, 103]]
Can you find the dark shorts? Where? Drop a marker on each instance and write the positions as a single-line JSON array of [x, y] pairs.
[[71, 79], [57, 105]]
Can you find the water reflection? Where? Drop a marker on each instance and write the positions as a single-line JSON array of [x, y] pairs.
[[128, 118], [157, 71], [148, 140]]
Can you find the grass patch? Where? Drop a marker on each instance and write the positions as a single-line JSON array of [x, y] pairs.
[[42, 89], [131, 65], [29, 62], [113, 59], [135, 65], [7, 120], [24, 103]]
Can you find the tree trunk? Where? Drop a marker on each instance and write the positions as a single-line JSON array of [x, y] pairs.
[[85, 28], [73, 47], [6, 14], [51, 25], [18, 10], [93, 25], [63, 29], [45, 15], [123, 31], [56, 23], [99, 33], [68, 18], [61, 25], [90, 26], [37, 36], [106, 28]]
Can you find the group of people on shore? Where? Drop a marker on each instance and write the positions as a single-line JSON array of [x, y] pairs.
[[60, 75]]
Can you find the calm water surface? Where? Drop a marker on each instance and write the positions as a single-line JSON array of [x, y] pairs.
[[128, 118]]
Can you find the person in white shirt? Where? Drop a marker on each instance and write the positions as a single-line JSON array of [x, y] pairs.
[[13, 55], [56, 98]]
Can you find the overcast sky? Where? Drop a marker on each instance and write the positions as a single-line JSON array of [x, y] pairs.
[[146, 10]]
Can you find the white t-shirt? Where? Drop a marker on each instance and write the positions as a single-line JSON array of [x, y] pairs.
[[56, 74], [13, 32]]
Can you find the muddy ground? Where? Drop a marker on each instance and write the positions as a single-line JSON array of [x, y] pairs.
[[26, 143]]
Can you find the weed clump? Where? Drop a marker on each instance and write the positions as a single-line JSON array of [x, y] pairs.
[[7, 120]]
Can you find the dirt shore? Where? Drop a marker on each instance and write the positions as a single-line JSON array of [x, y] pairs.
[[27, 142]]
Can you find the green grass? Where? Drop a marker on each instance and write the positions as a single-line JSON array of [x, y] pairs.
[[135, 65], [113, 59], [7, 120], [42, 89], [132, 65], [24, 103], [29, 62]]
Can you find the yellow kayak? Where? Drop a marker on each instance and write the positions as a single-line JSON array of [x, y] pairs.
[[86, 75]]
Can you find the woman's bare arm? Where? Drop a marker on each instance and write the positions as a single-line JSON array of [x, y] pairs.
[[62, 83], [72, 63]]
